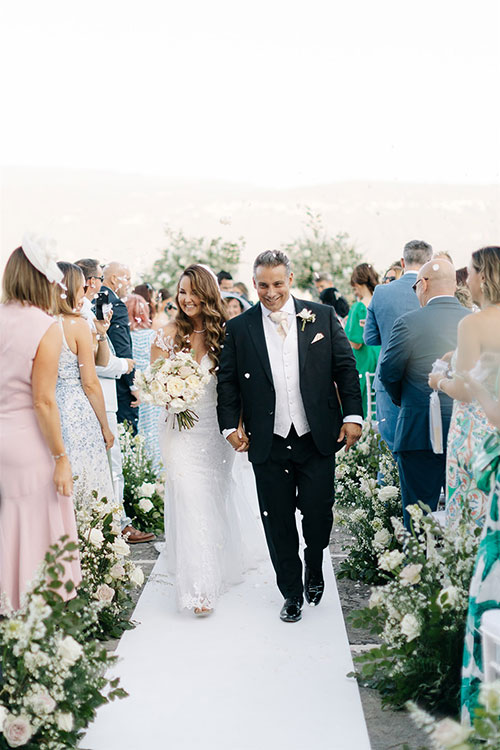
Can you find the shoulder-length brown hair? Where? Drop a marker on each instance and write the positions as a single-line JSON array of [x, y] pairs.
[[65, 302], [205, 286], [22, 282], [364, 273]]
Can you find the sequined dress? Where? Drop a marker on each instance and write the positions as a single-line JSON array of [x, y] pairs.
[[81, 433]]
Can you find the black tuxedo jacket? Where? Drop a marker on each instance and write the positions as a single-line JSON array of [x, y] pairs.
[[118, 331], [245, 380]]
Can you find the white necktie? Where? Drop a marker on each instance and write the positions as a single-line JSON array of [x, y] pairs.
[[281, 320]]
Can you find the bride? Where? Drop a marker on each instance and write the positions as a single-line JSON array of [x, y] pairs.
[[204, 545]]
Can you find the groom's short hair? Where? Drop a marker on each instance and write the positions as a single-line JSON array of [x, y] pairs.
[[272, 258]]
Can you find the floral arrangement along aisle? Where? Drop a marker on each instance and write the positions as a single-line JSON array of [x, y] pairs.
[[364, 508], [420, 614], [52, 678], [144, 489], [108, 576], [447, 734]]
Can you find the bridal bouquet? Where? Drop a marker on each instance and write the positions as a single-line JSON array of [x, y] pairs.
[[175, 383]]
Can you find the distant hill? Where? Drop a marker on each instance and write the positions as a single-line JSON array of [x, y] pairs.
[[115, 216]]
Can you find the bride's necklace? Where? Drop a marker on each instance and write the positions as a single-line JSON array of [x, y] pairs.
[[202, 330]]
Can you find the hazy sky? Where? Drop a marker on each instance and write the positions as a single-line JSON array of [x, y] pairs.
[[271, 92]]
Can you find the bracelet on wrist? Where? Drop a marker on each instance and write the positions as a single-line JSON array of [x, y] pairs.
[[439, 384], [101, 337], [59, 455]]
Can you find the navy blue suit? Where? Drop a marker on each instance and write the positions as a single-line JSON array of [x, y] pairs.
[[119, 333], [417, 340], [389, 302]]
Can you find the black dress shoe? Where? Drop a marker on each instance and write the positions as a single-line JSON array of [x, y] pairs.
[[314, 585], [290, 611]]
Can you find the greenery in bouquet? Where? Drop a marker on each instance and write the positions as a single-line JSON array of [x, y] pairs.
[[364, 508], [144, 488], [108, 575], [52, 680], [420, 614], [316, 252], [448, 734], [181, 251]]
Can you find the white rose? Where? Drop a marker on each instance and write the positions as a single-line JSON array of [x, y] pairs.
[[137, 576], [193, 382], [156, 388], [387, 493], [177, 405], [390, 560], [42, 703], [184, 372], [117, 571], [359, 515], [306, 253], [146, 490], [145, 504], [489, 697], [449, 733], [376, 598], [175, 386], [69, 650], [3, 715], [17, 730], [410, 574], [316, 266], [96, 537], [448, 597], [410, 627], [65, 722], [381, 539], [104, 593], [120, 547]]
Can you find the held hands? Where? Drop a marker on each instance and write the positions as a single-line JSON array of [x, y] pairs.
[[351, 432], [239, 440], [63, 477], [434, 378]]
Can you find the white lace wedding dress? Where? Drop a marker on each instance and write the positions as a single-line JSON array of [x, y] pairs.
[[212, 532]]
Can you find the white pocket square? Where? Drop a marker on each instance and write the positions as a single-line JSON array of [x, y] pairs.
[[318, 337]]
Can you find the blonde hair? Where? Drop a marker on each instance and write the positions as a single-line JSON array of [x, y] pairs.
[[204, 285], [73, 277], [487, 261], [22, 282]]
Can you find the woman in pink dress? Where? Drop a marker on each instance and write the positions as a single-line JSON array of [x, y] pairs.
[[36, 506]]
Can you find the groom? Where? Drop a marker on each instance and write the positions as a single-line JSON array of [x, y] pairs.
[[282, 364]]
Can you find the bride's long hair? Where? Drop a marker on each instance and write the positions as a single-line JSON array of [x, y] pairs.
[[204, 285]]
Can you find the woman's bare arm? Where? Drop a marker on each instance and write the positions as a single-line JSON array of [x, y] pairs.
[[43, 385]]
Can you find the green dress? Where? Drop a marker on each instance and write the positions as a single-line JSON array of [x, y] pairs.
[[484, 593], [366, 356]]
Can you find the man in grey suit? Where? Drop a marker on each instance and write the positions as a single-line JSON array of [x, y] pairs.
[[418, 338], [389, 301]]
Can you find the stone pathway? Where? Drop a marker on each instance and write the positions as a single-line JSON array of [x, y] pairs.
[[388, 730]]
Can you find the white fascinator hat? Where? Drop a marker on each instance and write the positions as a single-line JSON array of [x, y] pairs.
[[41, 253]]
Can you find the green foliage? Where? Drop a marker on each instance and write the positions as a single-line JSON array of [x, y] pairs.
[[316, 251], [364, 508], [53, 679], [419, 615], [181, 251], [144, 490]]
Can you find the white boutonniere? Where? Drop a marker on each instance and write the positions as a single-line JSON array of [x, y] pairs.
[[306, 316]]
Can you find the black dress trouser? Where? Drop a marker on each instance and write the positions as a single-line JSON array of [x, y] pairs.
[[295, 476]]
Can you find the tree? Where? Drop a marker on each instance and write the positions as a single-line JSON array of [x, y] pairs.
[[181, 251], [316, 252]]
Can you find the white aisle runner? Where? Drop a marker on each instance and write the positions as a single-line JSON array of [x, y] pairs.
[[239, 679]]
